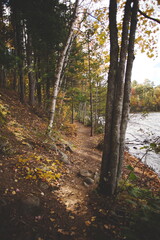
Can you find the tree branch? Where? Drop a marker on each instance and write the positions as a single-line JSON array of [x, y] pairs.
[[146, 16]]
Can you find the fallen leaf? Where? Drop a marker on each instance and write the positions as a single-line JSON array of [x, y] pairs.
[[52, 220], [63, 232], [88, 223], [93, 218]]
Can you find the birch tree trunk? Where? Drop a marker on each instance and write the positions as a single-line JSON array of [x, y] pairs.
[[118, 96], [60, 66]]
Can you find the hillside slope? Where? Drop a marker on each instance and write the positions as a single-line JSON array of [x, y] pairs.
[[48, 185]]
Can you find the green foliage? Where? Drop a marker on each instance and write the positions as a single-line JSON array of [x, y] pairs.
[[129, 167], [3, 112], [143, 207], [144, 221], [99, 129], [155, 147], [2, 119]]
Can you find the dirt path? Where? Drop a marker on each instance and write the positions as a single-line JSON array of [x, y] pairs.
[[86, 157]]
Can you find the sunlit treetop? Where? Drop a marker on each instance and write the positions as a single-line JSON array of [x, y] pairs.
[[147, 29]]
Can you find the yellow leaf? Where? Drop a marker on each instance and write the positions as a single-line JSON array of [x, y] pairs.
[[52, 220], [93, 218]]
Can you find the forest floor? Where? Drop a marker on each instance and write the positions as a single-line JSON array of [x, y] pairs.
[[48, 187]]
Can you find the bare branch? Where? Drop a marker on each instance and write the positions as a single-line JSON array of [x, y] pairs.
[[146, 16]]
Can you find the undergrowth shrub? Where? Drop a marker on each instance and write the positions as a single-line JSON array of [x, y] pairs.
[[144, 213], [69, 129]]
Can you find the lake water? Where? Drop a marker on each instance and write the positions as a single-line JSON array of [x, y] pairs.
[[141, 131]]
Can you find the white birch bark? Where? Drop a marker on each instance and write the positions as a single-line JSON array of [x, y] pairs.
[[60, 67]]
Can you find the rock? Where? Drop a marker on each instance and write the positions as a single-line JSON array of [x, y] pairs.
[[5, 146], [50, 146], [65, 145], [30, 205], [64, 158], [27, 145], [43, 186], [88, 180], [44, 168], [31, 201], [86, 185], [96, 177], [53, 147], [85, 173], [69, 148]]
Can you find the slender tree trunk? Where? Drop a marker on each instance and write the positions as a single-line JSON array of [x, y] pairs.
[[2, 77], [39, 92], [30, 71], [90, 86], [14, 79], [84, 112], [60, 66], [127, 87], [19, 44], [72, 120], [48, 86], [2, 80]]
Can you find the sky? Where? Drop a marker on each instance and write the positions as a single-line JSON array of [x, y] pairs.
[[143, 67], [146, 68]]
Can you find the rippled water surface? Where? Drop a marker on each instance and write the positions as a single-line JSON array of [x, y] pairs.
[[141, 131]]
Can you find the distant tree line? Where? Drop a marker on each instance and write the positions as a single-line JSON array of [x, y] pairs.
[[145, 97]]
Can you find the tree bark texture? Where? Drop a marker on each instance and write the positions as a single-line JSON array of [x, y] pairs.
[[60, 67], [127, 86], [110, 95], [90, 86], [118, 94], [30, 71]]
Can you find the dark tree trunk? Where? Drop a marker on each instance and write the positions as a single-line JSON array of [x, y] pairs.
[[18, 30], [2, 39], [19, 38], [38, 83], [127, 86], [14, 72], [103, 185], [30, 71], [90, 86], [118, 96], [48, 86], [2, 77]]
